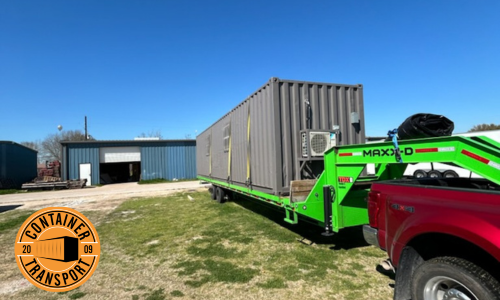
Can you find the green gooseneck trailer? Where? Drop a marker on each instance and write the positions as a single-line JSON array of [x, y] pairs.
[[299, 146], [336, 199]]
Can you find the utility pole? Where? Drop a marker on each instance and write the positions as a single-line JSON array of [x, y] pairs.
[[86, 134]]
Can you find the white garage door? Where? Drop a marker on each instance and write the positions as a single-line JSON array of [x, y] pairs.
[[120, 154]]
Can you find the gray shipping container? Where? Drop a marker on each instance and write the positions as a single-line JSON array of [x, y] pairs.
[[278, 146]]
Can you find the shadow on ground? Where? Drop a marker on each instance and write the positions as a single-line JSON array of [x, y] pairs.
[[347, 238], [4, 208]]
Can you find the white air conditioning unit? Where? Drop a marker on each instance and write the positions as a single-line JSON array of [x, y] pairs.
[[316, 143]]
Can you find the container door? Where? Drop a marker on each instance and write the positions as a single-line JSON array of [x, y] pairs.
[[85, 171]]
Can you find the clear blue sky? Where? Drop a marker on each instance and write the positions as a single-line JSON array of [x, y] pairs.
[[177, 66]]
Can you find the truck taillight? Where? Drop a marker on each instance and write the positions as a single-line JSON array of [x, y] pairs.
[[373, 198]]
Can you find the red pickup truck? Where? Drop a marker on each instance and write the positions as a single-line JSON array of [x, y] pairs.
[[442, 236]]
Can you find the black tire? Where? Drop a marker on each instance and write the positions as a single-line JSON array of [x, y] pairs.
[[419, 174], [450, 174], [434, 174], [213, 192], [443, 276], [220, 194]]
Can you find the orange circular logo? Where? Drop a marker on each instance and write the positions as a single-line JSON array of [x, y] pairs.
[[57, 249]]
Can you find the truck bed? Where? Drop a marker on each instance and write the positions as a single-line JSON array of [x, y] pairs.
[[473, 184]]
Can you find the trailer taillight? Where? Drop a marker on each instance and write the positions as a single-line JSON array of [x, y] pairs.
[[373, 208]]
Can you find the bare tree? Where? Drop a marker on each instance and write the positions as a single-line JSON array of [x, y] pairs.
[[36, 145], [51, 145], [187, 136], [484, 127], [151, 133]]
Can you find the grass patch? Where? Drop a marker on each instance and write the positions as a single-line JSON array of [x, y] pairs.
[[176, 293], [215, 271], [156, 295], [162, 180], [16, 219], [274, 283], [77, 295], [171, 247], [10, 191]]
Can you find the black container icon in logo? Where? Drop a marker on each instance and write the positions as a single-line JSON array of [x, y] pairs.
[[63, 248]]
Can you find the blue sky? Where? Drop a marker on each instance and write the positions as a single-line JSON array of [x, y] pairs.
[[177, 66]]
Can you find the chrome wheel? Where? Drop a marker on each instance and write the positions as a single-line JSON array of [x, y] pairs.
[[445, 288]]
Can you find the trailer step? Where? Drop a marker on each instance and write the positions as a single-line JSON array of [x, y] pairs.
[[294, 220]]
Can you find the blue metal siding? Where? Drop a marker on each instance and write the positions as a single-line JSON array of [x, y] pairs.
[[82, 154], [17, 163], [176, 158], [190, 163], [153, 162], [166, 159]]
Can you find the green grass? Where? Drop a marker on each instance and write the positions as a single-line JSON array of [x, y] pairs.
[[176, 293], [174, 248], [10, 191], [76, 295], [161, 180], [13, 219], [155, 295]]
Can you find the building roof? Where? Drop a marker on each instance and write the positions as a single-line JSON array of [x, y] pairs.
[[125, 141], [14, 143]]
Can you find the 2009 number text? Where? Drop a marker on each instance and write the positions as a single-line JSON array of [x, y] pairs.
[[87, 249]]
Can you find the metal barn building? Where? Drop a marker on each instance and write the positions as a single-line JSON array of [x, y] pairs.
[[17, 164], [104, 162]]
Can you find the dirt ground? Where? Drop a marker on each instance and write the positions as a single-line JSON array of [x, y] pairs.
[[97, 198], [232, 252], [105, 198]]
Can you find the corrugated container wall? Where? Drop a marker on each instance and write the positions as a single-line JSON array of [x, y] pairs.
[[258, 143], [17, 164]]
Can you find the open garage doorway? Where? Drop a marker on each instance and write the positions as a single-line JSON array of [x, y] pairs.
[[120, 172], [119, 164]]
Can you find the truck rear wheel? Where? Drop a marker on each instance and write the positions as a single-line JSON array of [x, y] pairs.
[[220, 194], [452, 278]]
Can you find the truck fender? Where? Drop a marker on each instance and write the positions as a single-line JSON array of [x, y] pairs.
[[408, 262], [469, 228]]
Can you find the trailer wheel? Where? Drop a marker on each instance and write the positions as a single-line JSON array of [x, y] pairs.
[[452, 278], [213, 192], [434, 174], [450, 174], [220, 194], [419, 174]]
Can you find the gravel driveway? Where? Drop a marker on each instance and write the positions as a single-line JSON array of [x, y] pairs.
[[97, 198]]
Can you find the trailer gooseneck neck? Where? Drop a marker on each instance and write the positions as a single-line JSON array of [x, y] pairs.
[[337, 198]]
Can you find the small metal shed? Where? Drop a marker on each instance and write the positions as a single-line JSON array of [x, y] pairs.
[[103, 162], [17, 164]]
